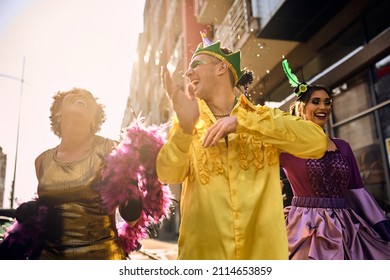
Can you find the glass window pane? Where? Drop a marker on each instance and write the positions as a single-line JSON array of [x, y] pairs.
[[366, 148], [384, 114], [354, 135], [351, 98], [382, 79]]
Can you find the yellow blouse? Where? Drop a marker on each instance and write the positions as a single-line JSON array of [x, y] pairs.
[[85, 230], [231, 201]]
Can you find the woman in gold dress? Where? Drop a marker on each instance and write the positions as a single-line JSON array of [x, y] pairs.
[[84, 182], [65, 176]]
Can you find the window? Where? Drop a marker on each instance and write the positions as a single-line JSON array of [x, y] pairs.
[[359, 129]]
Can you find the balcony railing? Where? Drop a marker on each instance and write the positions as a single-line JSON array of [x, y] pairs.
[[237, 25]]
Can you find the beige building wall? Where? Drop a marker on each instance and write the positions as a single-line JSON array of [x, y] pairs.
[[3, 165]]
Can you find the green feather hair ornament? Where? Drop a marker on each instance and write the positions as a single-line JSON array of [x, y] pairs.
[[300, 88]]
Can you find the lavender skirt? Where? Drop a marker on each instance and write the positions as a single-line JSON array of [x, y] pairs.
[[325, 229]]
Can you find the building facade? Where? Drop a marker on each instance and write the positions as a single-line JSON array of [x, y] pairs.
[[3, 165], [343, 44]]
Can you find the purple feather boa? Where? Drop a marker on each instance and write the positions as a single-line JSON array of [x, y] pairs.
[[130, 173], [23, 239]]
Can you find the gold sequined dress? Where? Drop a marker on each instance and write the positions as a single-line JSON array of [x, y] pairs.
[[86, 231]]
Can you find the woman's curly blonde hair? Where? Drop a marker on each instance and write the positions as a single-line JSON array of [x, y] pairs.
[[56, 106]]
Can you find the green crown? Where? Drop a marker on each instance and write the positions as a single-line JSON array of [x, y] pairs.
[[233, 59]]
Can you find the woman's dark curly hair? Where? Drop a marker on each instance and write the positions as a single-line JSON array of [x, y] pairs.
[[56, 106], [305, 97]]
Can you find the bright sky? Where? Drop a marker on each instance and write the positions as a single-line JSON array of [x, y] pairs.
[[65, 43]]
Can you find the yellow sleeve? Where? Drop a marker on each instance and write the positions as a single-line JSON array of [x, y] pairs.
[[173, 160], [287, 133]]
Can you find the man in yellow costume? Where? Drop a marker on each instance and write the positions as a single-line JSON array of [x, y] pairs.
[[225, 152]]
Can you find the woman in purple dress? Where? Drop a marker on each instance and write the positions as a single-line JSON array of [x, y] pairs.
[[332, 216]]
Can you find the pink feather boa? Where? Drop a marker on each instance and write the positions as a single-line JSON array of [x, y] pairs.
[[130, 172]]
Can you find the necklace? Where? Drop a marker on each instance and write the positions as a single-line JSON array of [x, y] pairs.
[[226, 114], [221, 115]]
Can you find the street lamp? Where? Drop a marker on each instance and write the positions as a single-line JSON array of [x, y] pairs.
[[17, 131]]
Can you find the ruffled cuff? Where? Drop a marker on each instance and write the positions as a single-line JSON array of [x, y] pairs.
[[362, 202]]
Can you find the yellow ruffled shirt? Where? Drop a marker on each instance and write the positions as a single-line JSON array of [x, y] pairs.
[[231, 203]]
